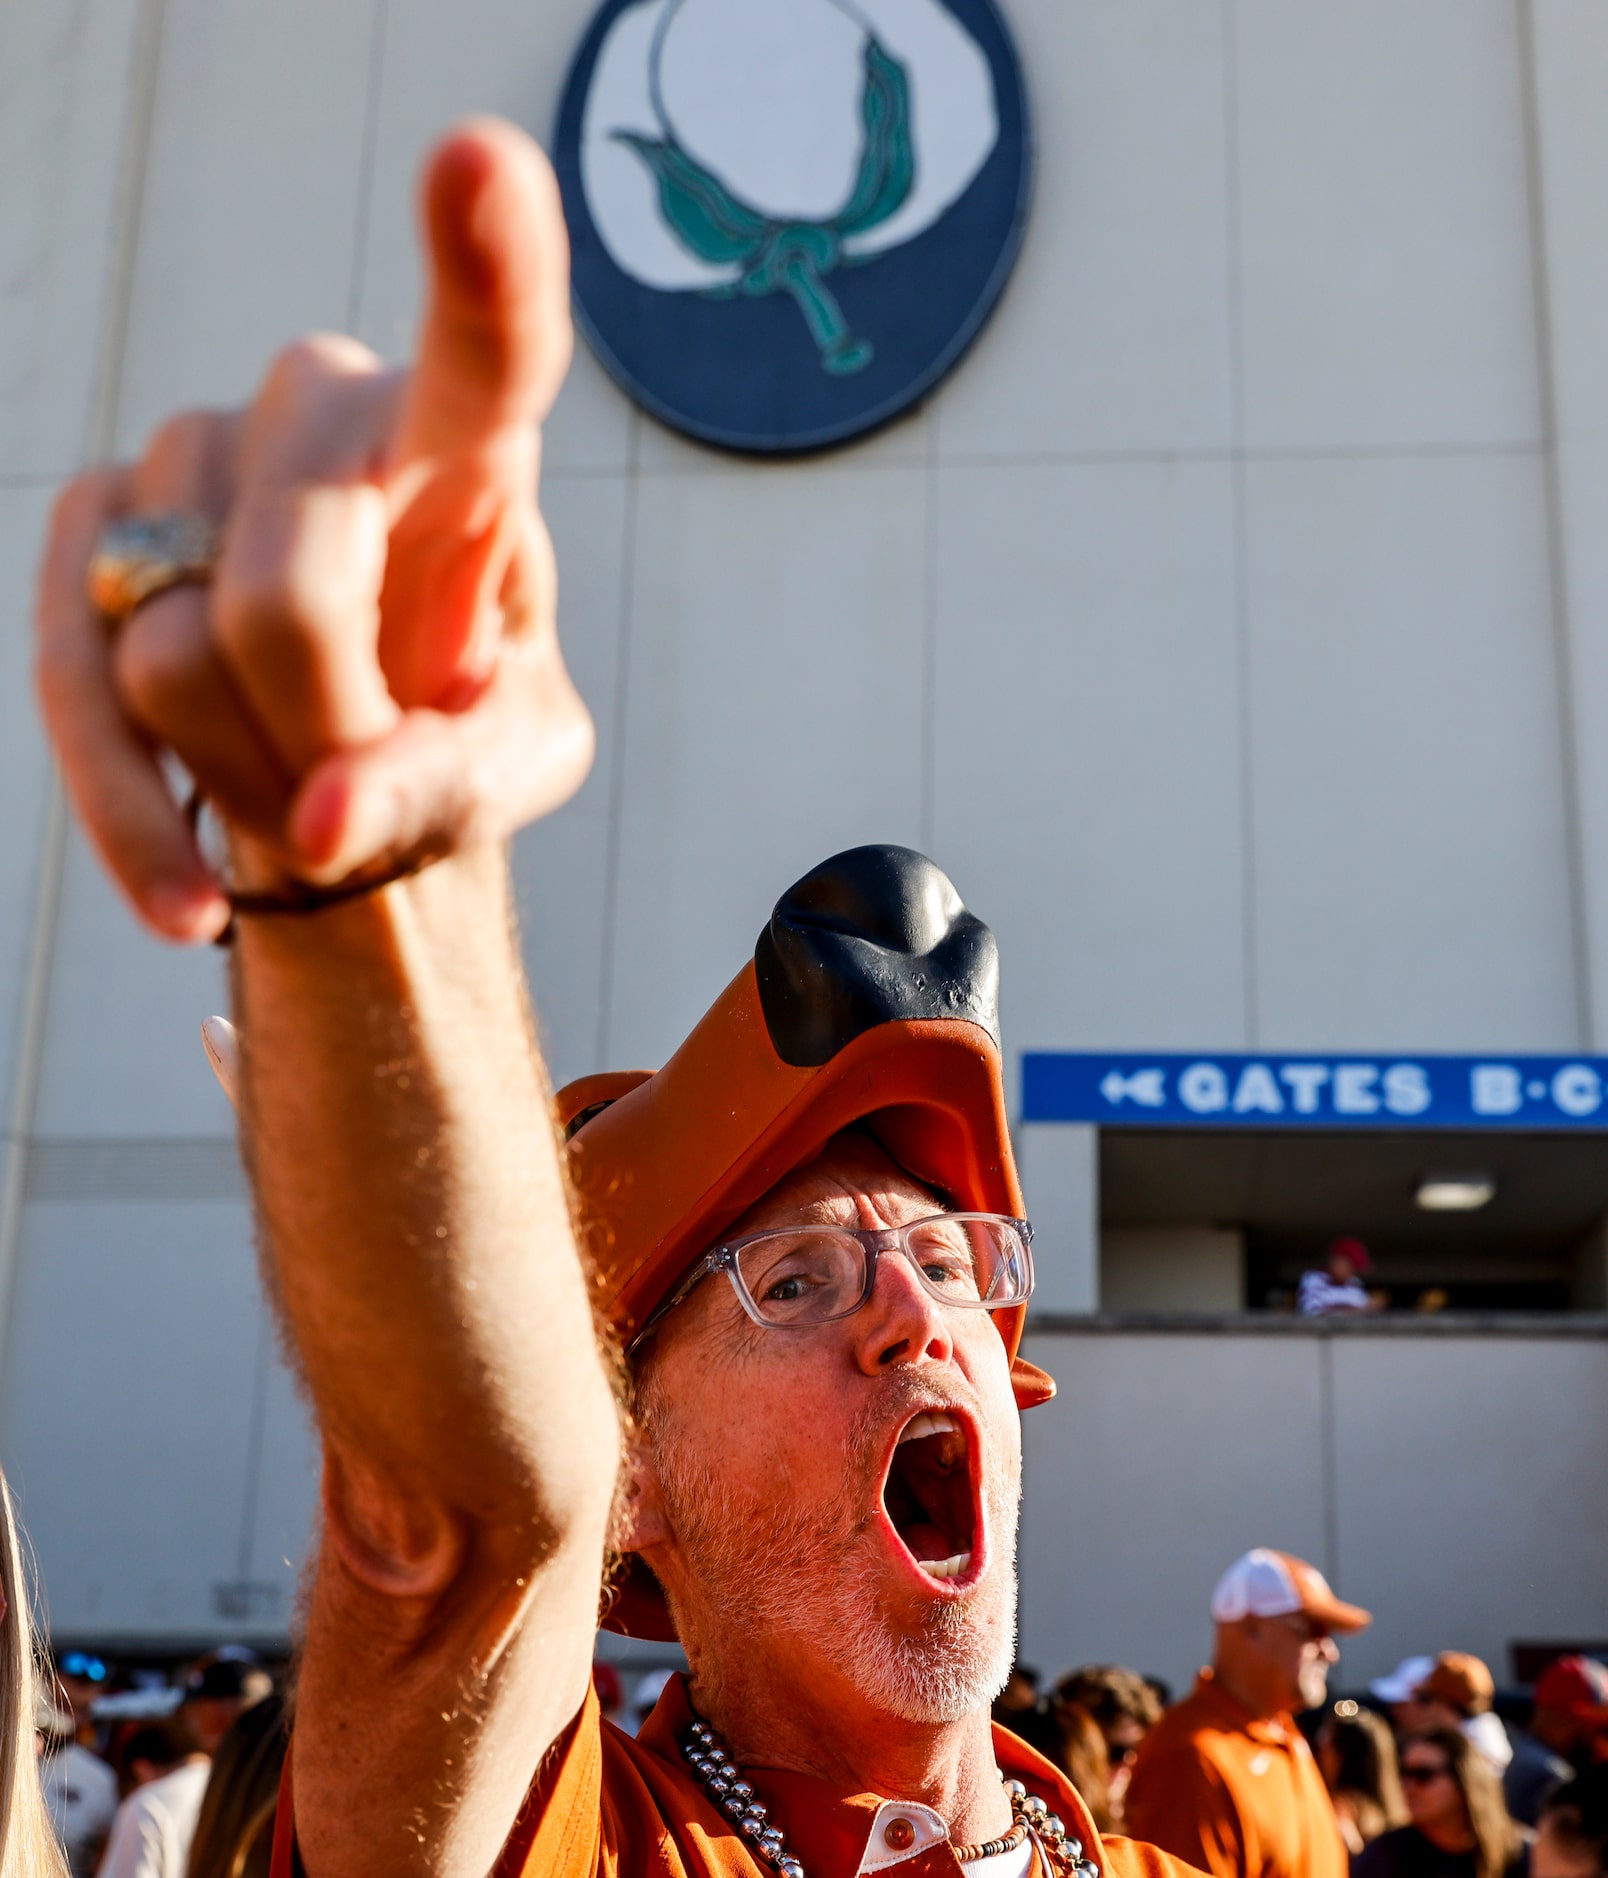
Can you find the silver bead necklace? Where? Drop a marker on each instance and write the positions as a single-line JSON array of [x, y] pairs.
[[720, 1776]]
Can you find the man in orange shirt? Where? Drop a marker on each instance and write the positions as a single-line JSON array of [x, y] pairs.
[[337, 610], [1226, 1779]]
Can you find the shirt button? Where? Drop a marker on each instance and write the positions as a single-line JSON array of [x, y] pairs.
[[900, 1835]]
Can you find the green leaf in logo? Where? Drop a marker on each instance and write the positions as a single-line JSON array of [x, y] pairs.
[[888, 160], [705, 215], [790, 257]]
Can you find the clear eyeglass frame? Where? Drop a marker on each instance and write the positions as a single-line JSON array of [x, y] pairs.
[[874, 1243]]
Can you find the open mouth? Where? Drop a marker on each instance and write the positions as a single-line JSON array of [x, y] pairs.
[[929, 1495]]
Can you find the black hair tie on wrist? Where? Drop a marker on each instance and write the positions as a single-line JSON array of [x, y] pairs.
[[300, 897]]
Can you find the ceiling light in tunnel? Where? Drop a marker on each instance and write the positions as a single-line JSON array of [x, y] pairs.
[[1455, 1193]]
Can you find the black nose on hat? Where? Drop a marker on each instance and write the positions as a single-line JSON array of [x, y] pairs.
[[872, 936]]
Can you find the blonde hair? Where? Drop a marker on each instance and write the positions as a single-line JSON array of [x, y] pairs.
[[28, 1844]]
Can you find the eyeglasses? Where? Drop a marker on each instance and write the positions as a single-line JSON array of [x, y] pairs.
[[1415, 1773], [795, 1277]]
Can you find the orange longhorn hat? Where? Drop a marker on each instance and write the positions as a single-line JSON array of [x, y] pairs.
[[871, 998]]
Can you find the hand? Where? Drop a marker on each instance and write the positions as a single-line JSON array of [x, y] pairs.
[[374, 670]]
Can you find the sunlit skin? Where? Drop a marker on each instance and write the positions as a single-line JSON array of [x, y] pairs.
[[774, 1411], [1275, 1665], [1434, 1799]]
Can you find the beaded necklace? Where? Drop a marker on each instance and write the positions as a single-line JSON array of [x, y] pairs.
[[709, 1763]]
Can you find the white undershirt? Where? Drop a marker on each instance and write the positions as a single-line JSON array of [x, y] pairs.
[[929, 1829]]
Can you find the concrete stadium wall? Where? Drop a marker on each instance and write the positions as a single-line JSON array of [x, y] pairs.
[[1233, 625], [1450, 1481]]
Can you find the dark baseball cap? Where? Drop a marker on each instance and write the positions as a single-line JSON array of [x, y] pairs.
[[225, 1678]]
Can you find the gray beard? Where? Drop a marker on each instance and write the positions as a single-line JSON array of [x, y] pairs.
[[769, 1569]]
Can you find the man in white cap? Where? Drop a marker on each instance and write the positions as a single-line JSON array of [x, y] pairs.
[[1226, 1779]]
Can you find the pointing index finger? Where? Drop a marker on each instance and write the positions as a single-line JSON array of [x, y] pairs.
[[496, 335]]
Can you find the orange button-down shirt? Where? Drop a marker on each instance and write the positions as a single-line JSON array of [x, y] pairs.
[[606, 1805], [1237, 1794]]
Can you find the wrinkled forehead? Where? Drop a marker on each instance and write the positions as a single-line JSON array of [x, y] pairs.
[[853, 1181]]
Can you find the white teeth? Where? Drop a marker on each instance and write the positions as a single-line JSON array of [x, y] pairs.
[[946, 1567], [928, 1424]]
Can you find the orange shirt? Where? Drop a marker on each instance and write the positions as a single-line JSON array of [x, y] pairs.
[[1235, 1794], [607, 1806]]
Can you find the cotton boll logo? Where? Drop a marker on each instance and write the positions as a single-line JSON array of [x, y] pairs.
[[790, 217], [783, 145]]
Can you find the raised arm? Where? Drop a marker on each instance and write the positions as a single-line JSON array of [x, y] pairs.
[[373, 677]]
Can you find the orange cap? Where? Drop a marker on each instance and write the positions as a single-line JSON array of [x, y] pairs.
[[1264, 1583], [871, 999], [1460, 1681]]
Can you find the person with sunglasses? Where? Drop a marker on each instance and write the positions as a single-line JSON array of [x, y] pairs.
[[803, 1238], [1458, 1826]]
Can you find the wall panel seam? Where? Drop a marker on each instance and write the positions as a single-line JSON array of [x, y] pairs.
[[366, 162], [29, 1069], [1241, 545], [1557, 548]]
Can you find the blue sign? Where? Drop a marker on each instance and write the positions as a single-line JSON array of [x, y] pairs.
[[789, 218], [1528, 1092]]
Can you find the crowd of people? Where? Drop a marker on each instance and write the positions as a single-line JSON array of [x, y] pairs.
[[162, 1776], [1262, 1772], [1259, 1772]]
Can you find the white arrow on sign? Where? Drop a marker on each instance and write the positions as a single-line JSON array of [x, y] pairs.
[[1145, 1086]]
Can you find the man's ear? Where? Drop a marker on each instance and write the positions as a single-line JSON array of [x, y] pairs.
[[644, 1524]]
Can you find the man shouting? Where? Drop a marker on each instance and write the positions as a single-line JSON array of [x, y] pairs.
[[803, 1235]]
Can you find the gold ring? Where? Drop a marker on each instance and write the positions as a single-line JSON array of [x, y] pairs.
[[143, 555]]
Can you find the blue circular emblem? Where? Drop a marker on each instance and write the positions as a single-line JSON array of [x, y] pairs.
[[789, 218]]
